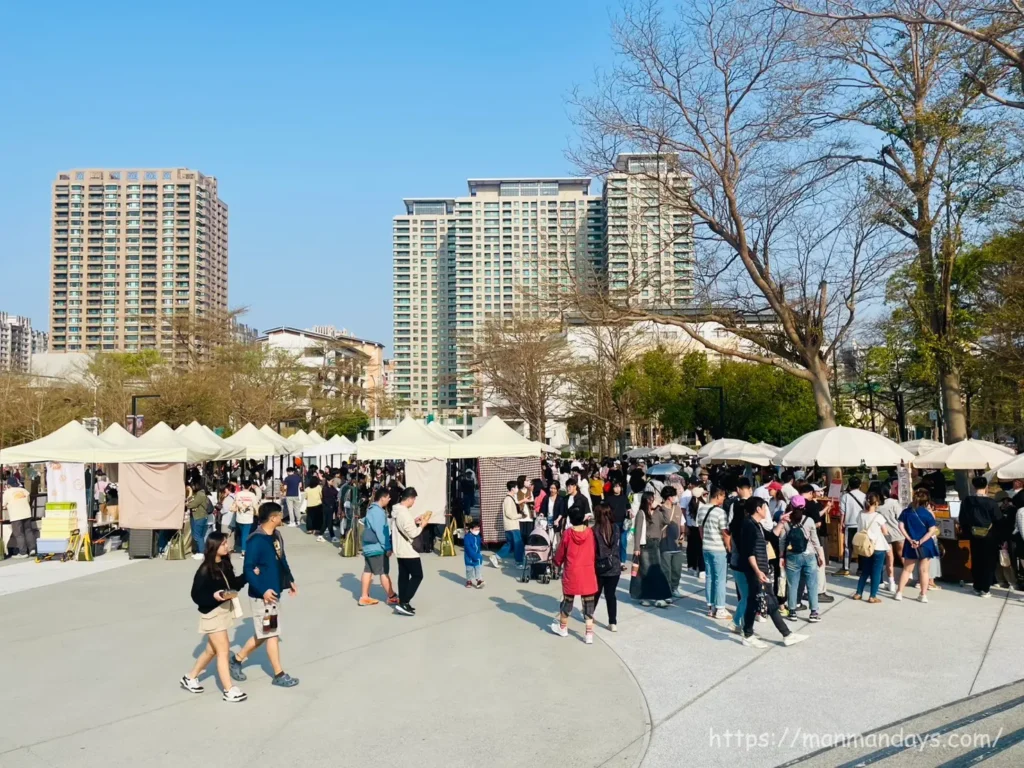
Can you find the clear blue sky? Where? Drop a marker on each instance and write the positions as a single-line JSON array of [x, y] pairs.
[[317, 118]]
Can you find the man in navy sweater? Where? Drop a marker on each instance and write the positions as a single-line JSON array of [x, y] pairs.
[[266, 569]]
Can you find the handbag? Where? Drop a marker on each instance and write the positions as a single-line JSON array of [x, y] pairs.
[[1004, 558], [236, 604], [635, 581], [980, 531], [180, 545]]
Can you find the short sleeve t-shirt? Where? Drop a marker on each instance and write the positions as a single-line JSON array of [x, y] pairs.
[[291, 485], [712, 523], [917, 522], [17, 502]]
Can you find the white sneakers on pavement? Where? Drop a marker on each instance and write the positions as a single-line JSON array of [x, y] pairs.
[[191, 684], [755, 642], [233, 695], [793, 639], [558, 629]]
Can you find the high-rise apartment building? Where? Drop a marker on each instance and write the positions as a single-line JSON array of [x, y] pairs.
[[509, 248], [17, 343], [523, 247], [132, 249], [648, 232]]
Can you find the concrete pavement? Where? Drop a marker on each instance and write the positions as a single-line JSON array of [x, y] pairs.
[[90, 669]]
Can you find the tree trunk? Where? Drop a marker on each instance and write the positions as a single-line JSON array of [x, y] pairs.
[[954, 417], [822, 396]]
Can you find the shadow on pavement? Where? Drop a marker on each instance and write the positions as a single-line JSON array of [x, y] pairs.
[[351, 583], [459, 579], [524, 612]]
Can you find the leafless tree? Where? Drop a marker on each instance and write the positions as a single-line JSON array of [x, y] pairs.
[[728, 94], [991, 33], [520, 364]]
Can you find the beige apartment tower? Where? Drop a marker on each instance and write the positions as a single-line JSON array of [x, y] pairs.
[[131, 249]]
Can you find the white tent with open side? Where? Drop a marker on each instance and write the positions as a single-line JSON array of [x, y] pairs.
[[409, 440], [173, 447], [284, 445], [256, 444], [117, 435], [212, 441], [495, 439], [443, 432], [73, 443], [315, 438]]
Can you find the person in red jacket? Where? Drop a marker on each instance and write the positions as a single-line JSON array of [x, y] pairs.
[[576, 556]]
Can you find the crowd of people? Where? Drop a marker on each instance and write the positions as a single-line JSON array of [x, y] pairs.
[[602, 520]]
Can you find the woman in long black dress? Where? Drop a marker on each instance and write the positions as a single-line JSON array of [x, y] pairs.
[[649, 584]]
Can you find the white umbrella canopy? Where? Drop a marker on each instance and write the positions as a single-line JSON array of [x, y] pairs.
[[706, 449], [1012, 470], [639, 453], [212, 441], [842, 447], [921, 446], [966, 454], [732, 451], [772, 449], [673, 449]]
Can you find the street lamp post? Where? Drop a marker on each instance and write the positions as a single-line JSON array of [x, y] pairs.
[[721, 407], [135, 410]]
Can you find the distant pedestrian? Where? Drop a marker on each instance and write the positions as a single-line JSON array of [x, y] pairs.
[[315, 508], [293, 495], [410, 568], [473, 555], [608, 561]]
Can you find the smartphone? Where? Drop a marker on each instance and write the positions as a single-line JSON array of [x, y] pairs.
[[229, 595]]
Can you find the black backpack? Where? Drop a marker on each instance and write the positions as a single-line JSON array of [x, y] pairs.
[[796, 540]]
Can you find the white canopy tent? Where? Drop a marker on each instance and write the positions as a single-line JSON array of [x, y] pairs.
[[117, 435], [256, 444], [172, 447], [315, 438], [298, 440], [337, 446], [409, 440], [966, 454], [842, 447], [284, 446], [73, 443], [196, 433], [443, 432], [495, 439]]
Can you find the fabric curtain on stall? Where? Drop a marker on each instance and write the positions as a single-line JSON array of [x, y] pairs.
[[494, 475], [430, 479], [152, 496], [65, 481]]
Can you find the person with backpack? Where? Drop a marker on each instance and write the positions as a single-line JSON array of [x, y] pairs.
[[870, 545], [608, 562], [851, 505], [715, 541], [917, 524], [800, 553]]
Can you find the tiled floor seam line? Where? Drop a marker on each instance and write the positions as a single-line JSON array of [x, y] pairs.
[[984, 655]]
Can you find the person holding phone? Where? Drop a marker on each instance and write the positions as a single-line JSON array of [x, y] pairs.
[[410, 568], [215, 592], [267, 571]]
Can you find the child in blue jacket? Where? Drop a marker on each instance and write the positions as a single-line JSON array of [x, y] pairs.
[[473, 555]]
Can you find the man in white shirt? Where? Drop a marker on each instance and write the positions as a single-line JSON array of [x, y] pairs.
[[19, 512], [788, 489], [851, 505]]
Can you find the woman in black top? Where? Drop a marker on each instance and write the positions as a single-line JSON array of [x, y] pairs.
[[213, 587], [754, 567], [619, 503], [607, 562]]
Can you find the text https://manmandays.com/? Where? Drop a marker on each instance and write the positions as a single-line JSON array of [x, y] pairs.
[[803, 740]]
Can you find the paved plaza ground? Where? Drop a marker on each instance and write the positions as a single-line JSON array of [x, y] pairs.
[[90, 668]]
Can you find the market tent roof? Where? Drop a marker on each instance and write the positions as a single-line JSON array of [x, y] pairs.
[[117, 435], [316, 438], [495, 439], [298, 439], [732, 451], [174, 447], [922, 446], [673, 449], [336, 446], [256, 443], [283, 445], [409, 440], [966, 454], [842, 447], [212, 441], [71, 443], [444, 433], [180, 428]]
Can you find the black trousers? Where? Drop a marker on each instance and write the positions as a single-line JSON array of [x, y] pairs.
[[608, 585], [984, 556], [1016, 556], [754, 588], [410, 574]]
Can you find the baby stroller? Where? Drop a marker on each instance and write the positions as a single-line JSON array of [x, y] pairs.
[[537, 560]]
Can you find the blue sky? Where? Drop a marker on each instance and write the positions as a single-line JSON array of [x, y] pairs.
[[317, 118]]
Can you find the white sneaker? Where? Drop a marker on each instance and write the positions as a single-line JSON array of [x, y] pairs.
[[892, 585], [755, 642], [191, 684], [760, 618], [986, 594], [320, 538], [679, 592], [293, 525], [21, 556], [558, 629], [703, 576], [613, 627], [495, 562], [588, 638], [922, 599], [233, 694], [721, 613], [197, 556], [661, 604], [793, 639], [898, 596]]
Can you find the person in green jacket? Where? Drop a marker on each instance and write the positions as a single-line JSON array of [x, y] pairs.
[[196, 504]]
